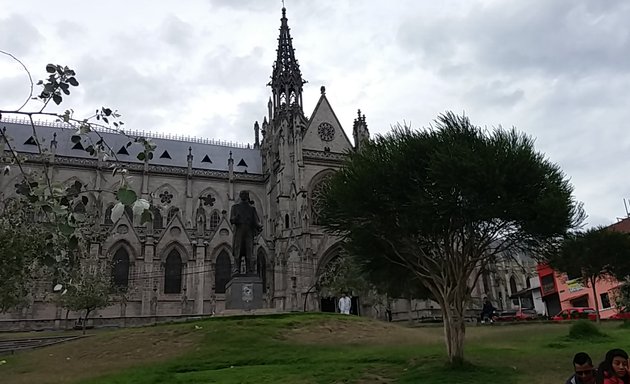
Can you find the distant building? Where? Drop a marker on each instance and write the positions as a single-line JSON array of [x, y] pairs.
[[560, 291]]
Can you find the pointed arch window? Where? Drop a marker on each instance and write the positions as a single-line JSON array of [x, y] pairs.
[[120, 268], [200, 218], [157, 218], [316, 197], [261, 269], [108, 215], [513, 289], [79, 207], [486, 282], [173, 273], [215, 219], [172, 212], [222, 272]]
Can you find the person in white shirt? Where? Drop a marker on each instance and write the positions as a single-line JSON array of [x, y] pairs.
[[344, 304]]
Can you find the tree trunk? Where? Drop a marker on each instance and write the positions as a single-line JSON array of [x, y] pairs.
[[596, 301], [87, 313], [454, 331], [65, 327], [410, 310]]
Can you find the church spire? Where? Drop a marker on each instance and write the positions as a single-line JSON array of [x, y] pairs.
[[286, 78]]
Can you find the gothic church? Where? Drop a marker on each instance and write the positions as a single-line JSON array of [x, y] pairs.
[[180, 263]]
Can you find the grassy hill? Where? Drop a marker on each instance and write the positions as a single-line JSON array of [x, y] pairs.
[[305, 348]]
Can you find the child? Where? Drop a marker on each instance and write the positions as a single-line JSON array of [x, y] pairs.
[[614, 369]]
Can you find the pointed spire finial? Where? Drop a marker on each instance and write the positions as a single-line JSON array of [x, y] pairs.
[[322, 90], [286, 78]]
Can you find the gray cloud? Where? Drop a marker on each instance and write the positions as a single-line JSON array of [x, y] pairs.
[[19, 36], [222, 68], [177, 34], [555, 37], [238, 126]]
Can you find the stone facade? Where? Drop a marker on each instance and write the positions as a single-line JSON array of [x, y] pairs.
[[181, 262]]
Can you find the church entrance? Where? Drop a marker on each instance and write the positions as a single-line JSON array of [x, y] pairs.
[[328, 304]]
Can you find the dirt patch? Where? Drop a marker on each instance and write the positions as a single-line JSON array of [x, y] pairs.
[[371, 378], [363, 332], [98, 355]]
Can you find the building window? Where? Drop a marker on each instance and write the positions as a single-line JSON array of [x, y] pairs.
[[214, 220], [222, 272], [108, 215], [548, 284], [513, 289], [605, 300], [485, 281], [287, 221], [157, 218], [173, 273], [171, 214], [120, 269]]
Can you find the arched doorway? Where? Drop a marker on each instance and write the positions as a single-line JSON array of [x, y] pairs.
[[334, 279], [222, 272]]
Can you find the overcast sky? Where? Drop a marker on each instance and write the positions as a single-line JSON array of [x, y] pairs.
[[556, 69]]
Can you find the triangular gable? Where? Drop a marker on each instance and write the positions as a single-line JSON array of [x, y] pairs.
[[167, 234], [324, 114], [223, 232], [123, 230]]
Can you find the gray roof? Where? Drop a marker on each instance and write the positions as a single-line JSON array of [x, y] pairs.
[[177, 148]]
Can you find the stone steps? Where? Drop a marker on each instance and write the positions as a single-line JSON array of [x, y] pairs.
[[10, 346]]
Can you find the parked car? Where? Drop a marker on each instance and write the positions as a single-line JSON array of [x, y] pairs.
[[575, 314], [622, 314], [516, 315]]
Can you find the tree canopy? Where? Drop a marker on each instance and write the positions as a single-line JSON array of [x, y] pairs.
[[443, 202]]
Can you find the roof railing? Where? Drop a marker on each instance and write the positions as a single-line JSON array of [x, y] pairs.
[[133, 133]]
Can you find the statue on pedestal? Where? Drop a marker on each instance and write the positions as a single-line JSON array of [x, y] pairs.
[[246, 226]]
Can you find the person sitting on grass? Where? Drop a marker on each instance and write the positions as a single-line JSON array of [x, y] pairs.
[[584, 370], [614, 369]]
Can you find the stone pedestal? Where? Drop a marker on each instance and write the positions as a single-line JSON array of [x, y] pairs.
[[244, 292]]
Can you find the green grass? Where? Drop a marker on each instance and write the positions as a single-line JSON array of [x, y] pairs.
[[307, 348]]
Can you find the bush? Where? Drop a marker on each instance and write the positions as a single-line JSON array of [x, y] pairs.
[[585, 329]]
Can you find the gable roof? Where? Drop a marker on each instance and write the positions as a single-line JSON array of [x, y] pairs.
[[322, 110]]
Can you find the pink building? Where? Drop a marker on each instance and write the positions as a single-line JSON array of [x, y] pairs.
[[561, 292]]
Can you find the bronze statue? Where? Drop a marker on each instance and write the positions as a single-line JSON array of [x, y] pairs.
[[246, 226]]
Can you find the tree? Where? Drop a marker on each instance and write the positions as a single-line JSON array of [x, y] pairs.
[[443, 202], [26, 250], [87, 291], [594, 255], [68, 230]]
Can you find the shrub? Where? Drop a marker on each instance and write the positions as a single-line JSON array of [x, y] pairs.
[[585, 329]]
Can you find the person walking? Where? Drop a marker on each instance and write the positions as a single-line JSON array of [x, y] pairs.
[[345, 303]]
